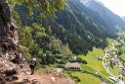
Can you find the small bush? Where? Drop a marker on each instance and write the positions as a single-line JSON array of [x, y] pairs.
[[84, 61], [61, 66], [76, 79], [80, 60], [58, 56]]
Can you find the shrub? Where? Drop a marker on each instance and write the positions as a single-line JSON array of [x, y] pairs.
[[80, 60], [84, 61], [60, 66], [59, 56], [76, 79]]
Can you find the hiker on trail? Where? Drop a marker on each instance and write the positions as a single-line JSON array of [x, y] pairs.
[[32, 65]]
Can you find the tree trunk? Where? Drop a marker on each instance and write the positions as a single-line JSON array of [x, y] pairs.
[[9, 42]]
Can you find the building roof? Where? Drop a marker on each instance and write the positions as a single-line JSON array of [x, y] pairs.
[[74, 64]]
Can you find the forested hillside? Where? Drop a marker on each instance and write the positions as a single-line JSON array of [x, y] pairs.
[[73, 30]]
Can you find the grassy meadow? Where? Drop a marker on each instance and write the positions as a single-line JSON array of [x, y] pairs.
[[86, 78], [94, 65], [92, 60]]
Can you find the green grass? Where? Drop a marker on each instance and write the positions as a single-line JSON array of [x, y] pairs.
[[87, 68], [110, 41], [123, 56], [92, 58], [115, 70], [105, 73], [86, 78]]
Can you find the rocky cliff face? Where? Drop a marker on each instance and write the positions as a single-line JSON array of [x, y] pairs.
[[10, 53], [9, 42]]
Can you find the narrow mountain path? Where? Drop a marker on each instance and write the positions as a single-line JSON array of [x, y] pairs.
[[44, 78], [41, 77], [21, 75]]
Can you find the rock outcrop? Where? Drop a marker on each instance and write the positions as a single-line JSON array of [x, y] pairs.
[[9, 42]]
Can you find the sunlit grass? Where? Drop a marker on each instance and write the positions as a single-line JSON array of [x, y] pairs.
[[105, 73], [87, 68], [115, 70], [92, 58], [86, 78], [123, 56]]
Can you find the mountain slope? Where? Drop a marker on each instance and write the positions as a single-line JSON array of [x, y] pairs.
[[73, 26], [76, 21], [112, 20], [94, 16]]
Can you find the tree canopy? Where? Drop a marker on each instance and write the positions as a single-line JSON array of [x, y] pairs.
[[45, 7]]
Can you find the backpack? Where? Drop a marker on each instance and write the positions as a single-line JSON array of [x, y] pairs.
[[33, 63]]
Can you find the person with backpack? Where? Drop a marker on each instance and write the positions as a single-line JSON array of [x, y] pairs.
[[32, 65]]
